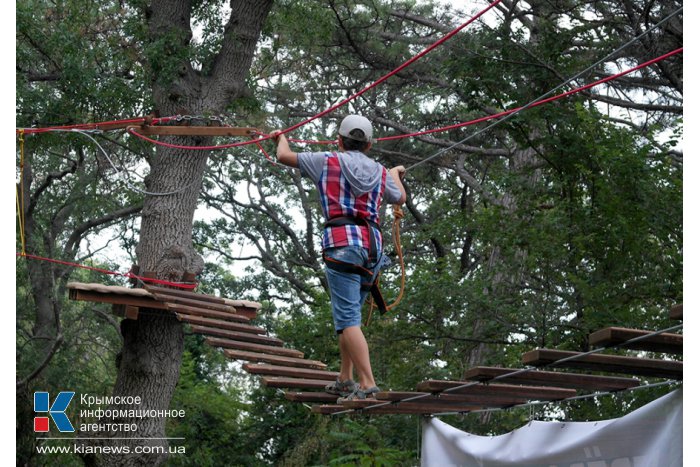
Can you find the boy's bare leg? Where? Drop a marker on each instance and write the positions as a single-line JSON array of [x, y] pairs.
[[353, 341], [345, 360]]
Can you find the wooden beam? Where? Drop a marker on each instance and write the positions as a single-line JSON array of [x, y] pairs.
[[120, 299], [676, 312], [526, 392], [274, 359], [183, 130], [221, 324], [239, 336], [313, 396], [251, 347], [665, 342], [297, 383], [607, 363], [271, 370], [196, 311], [184, 294], [552, 378]]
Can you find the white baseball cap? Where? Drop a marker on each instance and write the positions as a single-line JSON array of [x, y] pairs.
[[356, 122]]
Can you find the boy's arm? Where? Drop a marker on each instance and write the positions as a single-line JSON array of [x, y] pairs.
[[284, 154], [397, 174]]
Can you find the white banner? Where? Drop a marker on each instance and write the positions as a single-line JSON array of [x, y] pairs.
[[651, 436]]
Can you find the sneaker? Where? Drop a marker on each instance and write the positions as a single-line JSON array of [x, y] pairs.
[[359, 394], [342, 389]]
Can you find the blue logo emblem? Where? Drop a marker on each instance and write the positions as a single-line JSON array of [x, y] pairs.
[[57, 411]]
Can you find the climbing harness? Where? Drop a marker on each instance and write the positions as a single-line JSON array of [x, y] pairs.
[[341, 266]]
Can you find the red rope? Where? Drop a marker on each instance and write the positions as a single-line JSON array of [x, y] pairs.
[[339, 104], [445, 128], [129, 275], [395, 71], [508, 112], [267, 156]]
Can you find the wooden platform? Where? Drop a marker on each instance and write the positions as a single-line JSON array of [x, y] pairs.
[[226, 324]]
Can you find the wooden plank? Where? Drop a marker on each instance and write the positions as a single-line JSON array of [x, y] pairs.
[[313, 396], [190, 310], [526, 392], [676, 312], [274, 359], [184, 294], [195, 303], [154, 289], [251, 347], [607, 363], [221, 324], [666, 342], [297, 383], [484, 400], [90, 296], [272, 370], [186, 130], [239, 336], [552, 378]]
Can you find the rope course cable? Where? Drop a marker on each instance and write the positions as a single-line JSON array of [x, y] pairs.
[[120, 124], [545, 95], [116, 169], [376, 83], [507, 114], [513, 373]]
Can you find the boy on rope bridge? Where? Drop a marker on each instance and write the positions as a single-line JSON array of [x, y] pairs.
[[351, 187]]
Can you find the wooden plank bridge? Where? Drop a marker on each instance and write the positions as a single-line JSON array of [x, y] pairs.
[[226, 324]]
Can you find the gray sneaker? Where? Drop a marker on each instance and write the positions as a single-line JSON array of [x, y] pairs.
[[343, 389], [360, 394]]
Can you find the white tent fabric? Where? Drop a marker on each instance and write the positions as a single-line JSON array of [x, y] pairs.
[[651, 436]]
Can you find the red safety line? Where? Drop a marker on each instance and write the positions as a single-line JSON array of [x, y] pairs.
[[93, 126], [535, 104], [341, 103], [181, 285], [508, 112], [395, 71], [446, 128]]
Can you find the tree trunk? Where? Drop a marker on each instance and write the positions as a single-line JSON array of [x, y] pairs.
[[149, 363]]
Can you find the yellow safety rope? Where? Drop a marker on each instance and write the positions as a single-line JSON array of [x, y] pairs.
[[19, 192], [396, 234]]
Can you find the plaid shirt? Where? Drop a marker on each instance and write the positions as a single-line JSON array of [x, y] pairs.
[[338, 200]]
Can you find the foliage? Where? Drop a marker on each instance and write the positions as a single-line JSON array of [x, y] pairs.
[[564, 219]]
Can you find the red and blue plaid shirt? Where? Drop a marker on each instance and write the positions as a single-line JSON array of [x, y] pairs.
[[338, 200]]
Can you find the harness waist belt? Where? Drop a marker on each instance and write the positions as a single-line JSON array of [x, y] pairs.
[[348, 220]]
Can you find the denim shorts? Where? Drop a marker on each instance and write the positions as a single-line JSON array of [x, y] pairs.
[[346, 296]]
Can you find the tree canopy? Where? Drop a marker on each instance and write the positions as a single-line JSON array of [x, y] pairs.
[[560, 220]]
